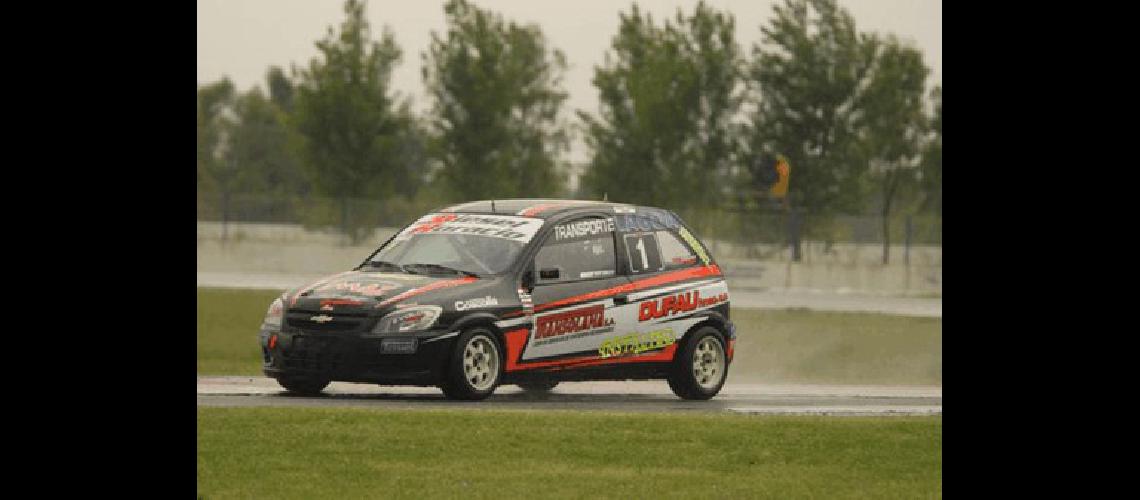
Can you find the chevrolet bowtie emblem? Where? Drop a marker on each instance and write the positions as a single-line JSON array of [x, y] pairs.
[[321, 319]]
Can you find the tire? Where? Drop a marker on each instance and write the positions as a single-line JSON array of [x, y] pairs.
[[303, 387], [538, 387], [475, 367], [701, 367]]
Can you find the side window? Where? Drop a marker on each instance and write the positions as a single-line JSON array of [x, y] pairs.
[[643, 253], [674, 253], [579, 250]]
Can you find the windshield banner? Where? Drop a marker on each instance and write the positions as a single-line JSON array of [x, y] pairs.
[[520, 229]]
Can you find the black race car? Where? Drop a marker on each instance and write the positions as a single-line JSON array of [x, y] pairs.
[[525, 292]]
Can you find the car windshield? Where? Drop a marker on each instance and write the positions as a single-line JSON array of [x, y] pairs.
[[457, 244]]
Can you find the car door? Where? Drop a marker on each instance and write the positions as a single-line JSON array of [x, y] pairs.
[[576, 280]]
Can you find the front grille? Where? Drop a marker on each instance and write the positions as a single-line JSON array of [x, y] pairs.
[[315, 353], [339, 322]]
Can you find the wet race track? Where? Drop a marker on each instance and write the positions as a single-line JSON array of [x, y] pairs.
[[639, 396]]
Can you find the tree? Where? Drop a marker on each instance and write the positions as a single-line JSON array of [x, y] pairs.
[[281, 88], [260, 149], [892, 125], [350, 132], [215, 116], [664, 134], [496, 88], [931, 172], [808, 71]]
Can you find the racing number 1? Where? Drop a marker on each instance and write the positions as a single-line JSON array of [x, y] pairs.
[[643, 254]]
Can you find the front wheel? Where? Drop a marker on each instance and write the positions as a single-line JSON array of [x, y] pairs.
[[475, 366], [701, 367]]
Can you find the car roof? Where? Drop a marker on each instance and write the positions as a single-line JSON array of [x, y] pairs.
[[538, 208]]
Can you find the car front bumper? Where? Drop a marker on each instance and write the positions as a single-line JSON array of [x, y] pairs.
[[406, 359]]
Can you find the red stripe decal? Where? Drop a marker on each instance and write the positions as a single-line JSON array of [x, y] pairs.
[[341, 302], [423, 289], [665, 354], [515, 339], [683, 274]]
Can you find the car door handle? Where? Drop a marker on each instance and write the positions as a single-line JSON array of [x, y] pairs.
[[621, 299]]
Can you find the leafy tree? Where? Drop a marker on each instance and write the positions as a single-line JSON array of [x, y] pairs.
[[281, 88], [496, 88], [260, 149], [350, 130], [664, 134], [931, 173], [809, 71], [215, 115], [892, 124]]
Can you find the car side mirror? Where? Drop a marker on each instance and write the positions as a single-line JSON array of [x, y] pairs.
[[550, 273], [528, 281]]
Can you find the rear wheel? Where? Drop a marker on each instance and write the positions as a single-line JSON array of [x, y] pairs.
[[475, 366], [701, 367], [303, 386]]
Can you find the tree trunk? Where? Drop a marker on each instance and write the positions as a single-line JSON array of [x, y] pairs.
[[794, 235], [225, 215], [886, 234]]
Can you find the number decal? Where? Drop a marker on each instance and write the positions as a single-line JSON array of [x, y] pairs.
[[641, 248]]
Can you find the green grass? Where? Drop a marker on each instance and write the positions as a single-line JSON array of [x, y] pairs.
[[359, 453], [773, 346], [836, 347], [228, 320]]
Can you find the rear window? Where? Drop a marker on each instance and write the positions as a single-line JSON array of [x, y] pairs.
[[674, 253]]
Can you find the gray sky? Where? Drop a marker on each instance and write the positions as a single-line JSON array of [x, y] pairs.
[[242, 38]]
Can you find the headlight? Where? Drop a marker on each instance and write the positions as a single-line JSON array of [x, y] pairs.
[[409, 319], [275, 313]]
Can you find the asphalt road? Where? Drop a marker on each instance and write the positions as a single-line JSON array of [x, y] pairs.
[[639, 396]]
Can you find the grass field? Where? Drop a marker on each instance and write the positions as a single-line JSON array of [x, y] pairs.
[[358, 453], [773, 346], [228, 320]]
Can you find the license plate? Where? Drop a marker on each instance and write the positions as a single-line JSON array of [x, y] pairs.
[[398, 346]]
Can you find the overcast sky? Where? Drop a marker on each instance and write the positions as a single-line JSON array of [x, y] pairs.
[[240, 39]]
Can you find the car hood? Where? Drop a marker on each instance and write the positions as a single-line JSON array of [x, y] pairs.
[[370, 292]]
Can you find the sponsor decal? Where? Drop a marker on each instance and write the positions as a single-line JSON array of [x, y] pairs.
[[372, 289], [596, 274], [589, 227], [542, 207], [488, 301], [321, 319], [510, 227], [572, 324], [673, 304], [304, 291], [328, 304], [427, 288], [692, 241], [636, 343], [526, 300]]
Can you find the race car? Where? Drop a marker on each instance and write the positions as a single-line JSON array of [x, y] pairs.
[[523, 292]]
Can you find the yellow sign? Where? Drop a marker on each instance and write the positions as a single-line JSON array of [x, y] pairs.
[[780, 188]]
